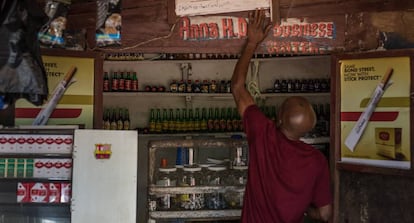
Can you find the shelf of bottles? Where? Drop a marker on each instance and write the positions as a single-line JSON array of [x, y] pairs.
[[216, 120], [116, 118]]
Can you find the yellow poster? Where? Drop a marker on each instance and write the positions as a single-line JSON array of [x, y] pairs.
[[375, 111], [76, 105]]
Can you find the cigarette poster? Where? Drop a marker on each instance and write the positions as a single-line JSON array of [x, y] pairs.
[[75, 107], [375, 112]]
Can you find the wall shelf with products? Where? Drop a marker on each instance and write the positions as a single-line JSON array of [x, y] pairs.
[[159, 74], [35, 174], [203, 194]]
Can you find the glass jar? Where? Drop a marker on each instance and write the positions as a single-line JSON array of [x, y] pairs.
[[215, 200], [166, 178], [239, 175], [191, 177]]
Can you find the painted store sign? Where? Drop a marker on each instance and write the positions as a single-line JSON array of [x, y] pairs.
[[296, 36]]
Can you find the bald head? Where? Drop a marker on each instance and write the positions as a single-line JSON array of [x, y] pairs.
[[296, 117]]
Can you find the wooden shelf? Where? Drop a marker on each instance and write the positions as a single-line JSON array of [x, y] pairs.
[[197, 214]]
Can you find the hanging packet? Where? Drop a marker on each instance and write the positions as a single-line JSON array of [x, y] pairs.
[[52, 33], [108, 23]]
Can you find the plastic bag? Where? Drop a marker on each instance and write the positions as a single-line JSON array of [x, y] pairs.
[[52, 32], [108, 22], [22, 74]]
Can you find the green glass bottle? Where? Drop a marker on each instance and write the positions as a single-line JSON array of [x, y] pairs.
[[210, 120], [107, 119], [152, 121], [171, 121], [158, 121], [120, 119], [216, 120], [164, 125], [126, 121], [203, 122], [235, 121], [177, 126], [229, 123], [190, 121], [197, 120], [184, 124], [223, 121], [114, 117]]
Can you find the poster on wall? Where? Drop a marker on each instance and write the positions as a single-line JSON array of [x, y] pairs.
[[375, 112], [75, 107]]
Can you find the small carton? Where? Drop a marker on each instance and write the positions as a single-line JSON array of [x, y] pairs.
[[39, 192], [2, 167], [54, 192], [66, 193], [388, 142], [11, 167], [29, 168], [23, 192], [20, 167]]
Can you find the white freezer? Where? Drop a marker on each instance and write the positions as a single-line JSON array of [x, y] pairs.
[[104, 181]]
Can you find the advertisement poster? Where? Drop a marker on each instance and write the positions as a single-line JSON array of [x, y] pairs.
[[375, 112], [76, 105]]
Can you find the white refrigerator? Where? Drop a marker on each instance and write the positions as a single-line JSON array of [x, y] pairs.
[[104, 178]]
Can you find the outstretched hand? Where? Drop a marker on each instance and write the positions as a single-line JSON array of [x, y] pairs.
[[257, 30]]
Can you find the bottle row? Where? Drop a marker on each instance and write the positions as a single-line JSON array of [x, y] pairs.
[[120, 81], [116, 118], [301, 86], [194, 120], [178, 56], [205, 86]]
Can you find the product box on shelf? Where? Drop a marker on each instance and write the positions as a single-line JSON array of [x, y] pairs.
[[42, 192], [53, 168], [32, 143]]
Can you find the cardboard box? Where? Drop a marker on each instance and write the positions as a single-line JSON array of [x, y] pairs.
[[54, 192]]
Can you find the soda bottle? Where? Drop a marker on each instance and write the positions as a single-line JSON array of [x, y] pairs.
[[113, 120], [184, 125], [126, 120], [152, 121], [229, 123], [128, 82], [178, 123], [203, 122], [134, 82], [197, 121], [106, 82], [234, 120], [190, 120], [158, 121], [210, 121], [115, 81], [164, 125], [119, 120], [223, 119], [216, 120], [171, 122], [107, 119], [121, 86]]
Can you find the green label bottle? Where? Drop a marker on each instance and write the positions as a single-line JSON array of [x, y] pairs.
[[203, 121]]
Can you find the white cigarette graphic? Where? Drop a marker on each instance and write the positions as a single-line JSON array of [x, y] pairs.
[[353, 138], [44, 114]]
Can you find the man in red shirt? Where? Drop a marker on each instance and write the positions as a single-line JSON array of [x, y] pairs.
[[287, 178]]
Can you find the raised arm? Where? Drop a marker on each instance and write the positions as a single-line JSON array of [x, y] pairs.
[[256, 32]]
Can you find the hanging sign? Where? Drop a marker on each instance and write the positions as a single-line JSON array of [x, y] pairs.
[[205, 7]]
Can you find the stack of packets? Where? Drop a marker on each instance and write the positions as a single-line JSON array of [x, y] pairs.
[[388, 142], [40, 192]]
